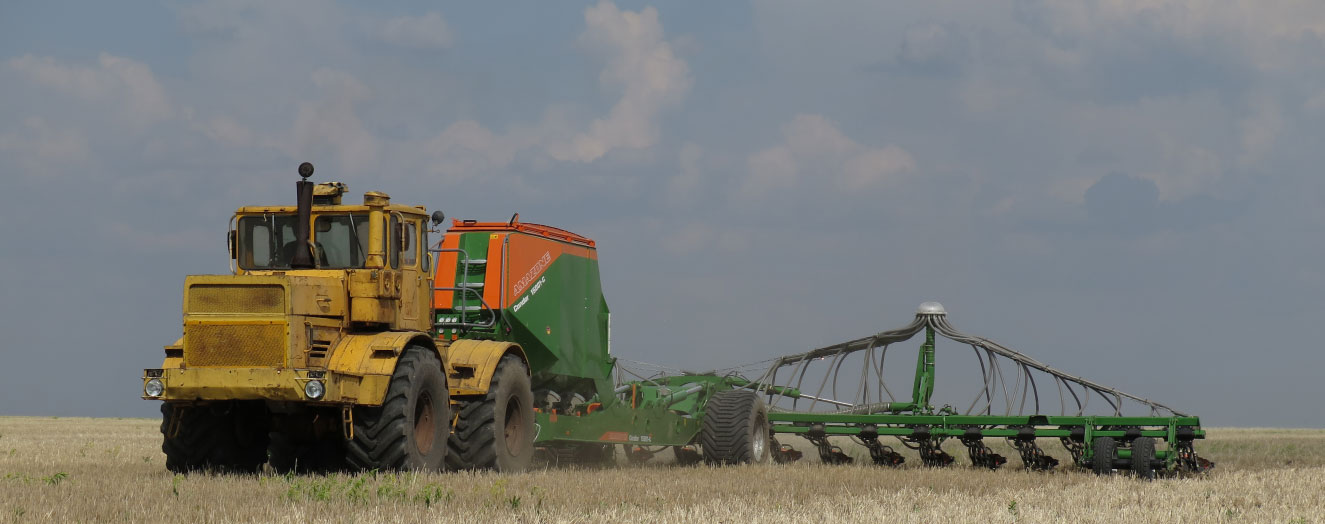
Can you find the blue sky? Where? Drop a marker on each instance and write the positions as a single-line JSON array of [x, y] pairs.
[[1128, 190]]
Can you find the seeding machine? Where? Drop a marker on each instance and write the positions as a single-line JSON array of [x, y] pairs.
[[345, 338]]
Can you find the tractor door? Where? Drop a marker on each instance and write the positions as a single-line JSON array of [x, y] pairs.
[[407, 254]]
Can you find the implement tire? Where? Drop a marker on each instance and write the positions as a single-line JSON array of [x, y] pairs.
[[225, 438], [735, 429], [496, 432], [1143, 455], [1103, 450], [409, 430]]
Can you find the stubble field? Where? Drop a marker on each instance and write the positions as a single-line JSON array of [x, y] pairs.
[[112, 470]]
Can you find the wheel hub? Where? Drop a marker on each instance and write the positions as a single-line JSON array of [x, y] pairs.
[[425, 428]]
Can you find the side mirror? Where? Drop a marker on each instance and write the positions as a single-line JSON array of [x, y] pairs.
[[232, 244]]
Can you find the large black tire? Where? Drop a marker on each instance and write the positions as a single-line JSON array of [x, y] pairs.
[[497, 431], [1143, 458], [735, 429], [410, 429], [287, 455], [226, 438], [1103, 450]]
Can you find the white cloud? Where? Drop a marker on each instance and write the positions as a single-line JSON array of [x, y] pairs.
[[876, 166], [813, 147], [424, 32], [123, 83], [639, 62], [642, 64]]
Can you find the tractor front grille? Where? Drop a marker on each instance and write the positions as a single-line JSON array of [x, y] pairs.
[[236, 298], [235, 345]]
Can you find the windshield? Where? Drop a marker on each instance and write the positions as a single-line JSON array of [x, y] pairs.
[[342, 240], [268, 241]]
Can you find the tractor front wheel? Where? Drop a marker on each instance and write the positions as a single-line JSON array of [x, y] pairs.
[[228, 437], [288, 455], [409, 430]]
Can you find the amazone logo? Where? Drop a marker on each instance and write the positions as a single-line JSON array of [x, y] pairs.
[[528, 277]]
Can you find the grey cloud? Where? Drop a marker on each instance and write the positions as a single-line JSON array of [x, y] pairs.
[[932, 49], [429, 31], [815, 154], [114, 81]]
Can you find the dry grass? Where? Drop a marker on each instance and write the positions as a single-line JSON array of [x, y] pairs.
[[112, 470]]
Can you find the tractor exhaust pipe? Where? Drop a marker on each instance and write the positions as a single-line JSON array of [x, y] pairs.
[[303, 256]]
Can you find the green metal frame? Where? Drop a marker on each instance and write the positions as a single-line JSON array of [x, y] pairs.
[[666, 411], [906, 419]]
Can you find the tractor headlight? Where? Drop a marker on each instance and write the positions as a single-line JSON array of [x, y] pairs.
[[314, 389], [154, 387]]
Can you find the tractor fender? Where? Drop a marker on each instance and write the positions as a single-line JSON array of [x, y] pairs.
[[371, 358], [471, 363]]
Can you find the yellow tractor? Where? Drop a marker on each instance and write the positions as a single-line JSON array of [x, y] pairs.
[[345, 339], [317, 352]]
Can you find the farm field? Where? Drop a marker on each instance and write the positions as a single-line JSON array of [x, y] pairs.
[[112, 470]]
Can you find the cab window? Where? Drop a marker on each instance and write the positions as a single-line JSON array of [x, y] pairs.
[[405, 243], [341, 240], [409, 252], [266, 241]]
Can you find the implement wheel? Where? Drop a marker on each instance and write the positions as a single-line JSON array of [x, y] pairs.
[[735, 429], [497, 431], [1143, 457], [229, 437], [1103, 449], [410, 428]]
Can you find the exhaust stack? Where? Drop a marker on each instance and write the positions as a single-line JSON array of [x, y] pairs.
[[303, 256]]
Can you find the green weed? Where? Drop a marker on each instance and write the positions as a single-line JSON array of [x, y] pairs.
[[55, 479], [433, 493]]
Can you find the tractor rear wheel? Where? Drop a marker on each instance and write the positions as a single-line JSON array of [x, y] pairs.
[[229, 437], [1103, 449], [735, 429], [409, 430], [1143, 456], [497, 431]]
